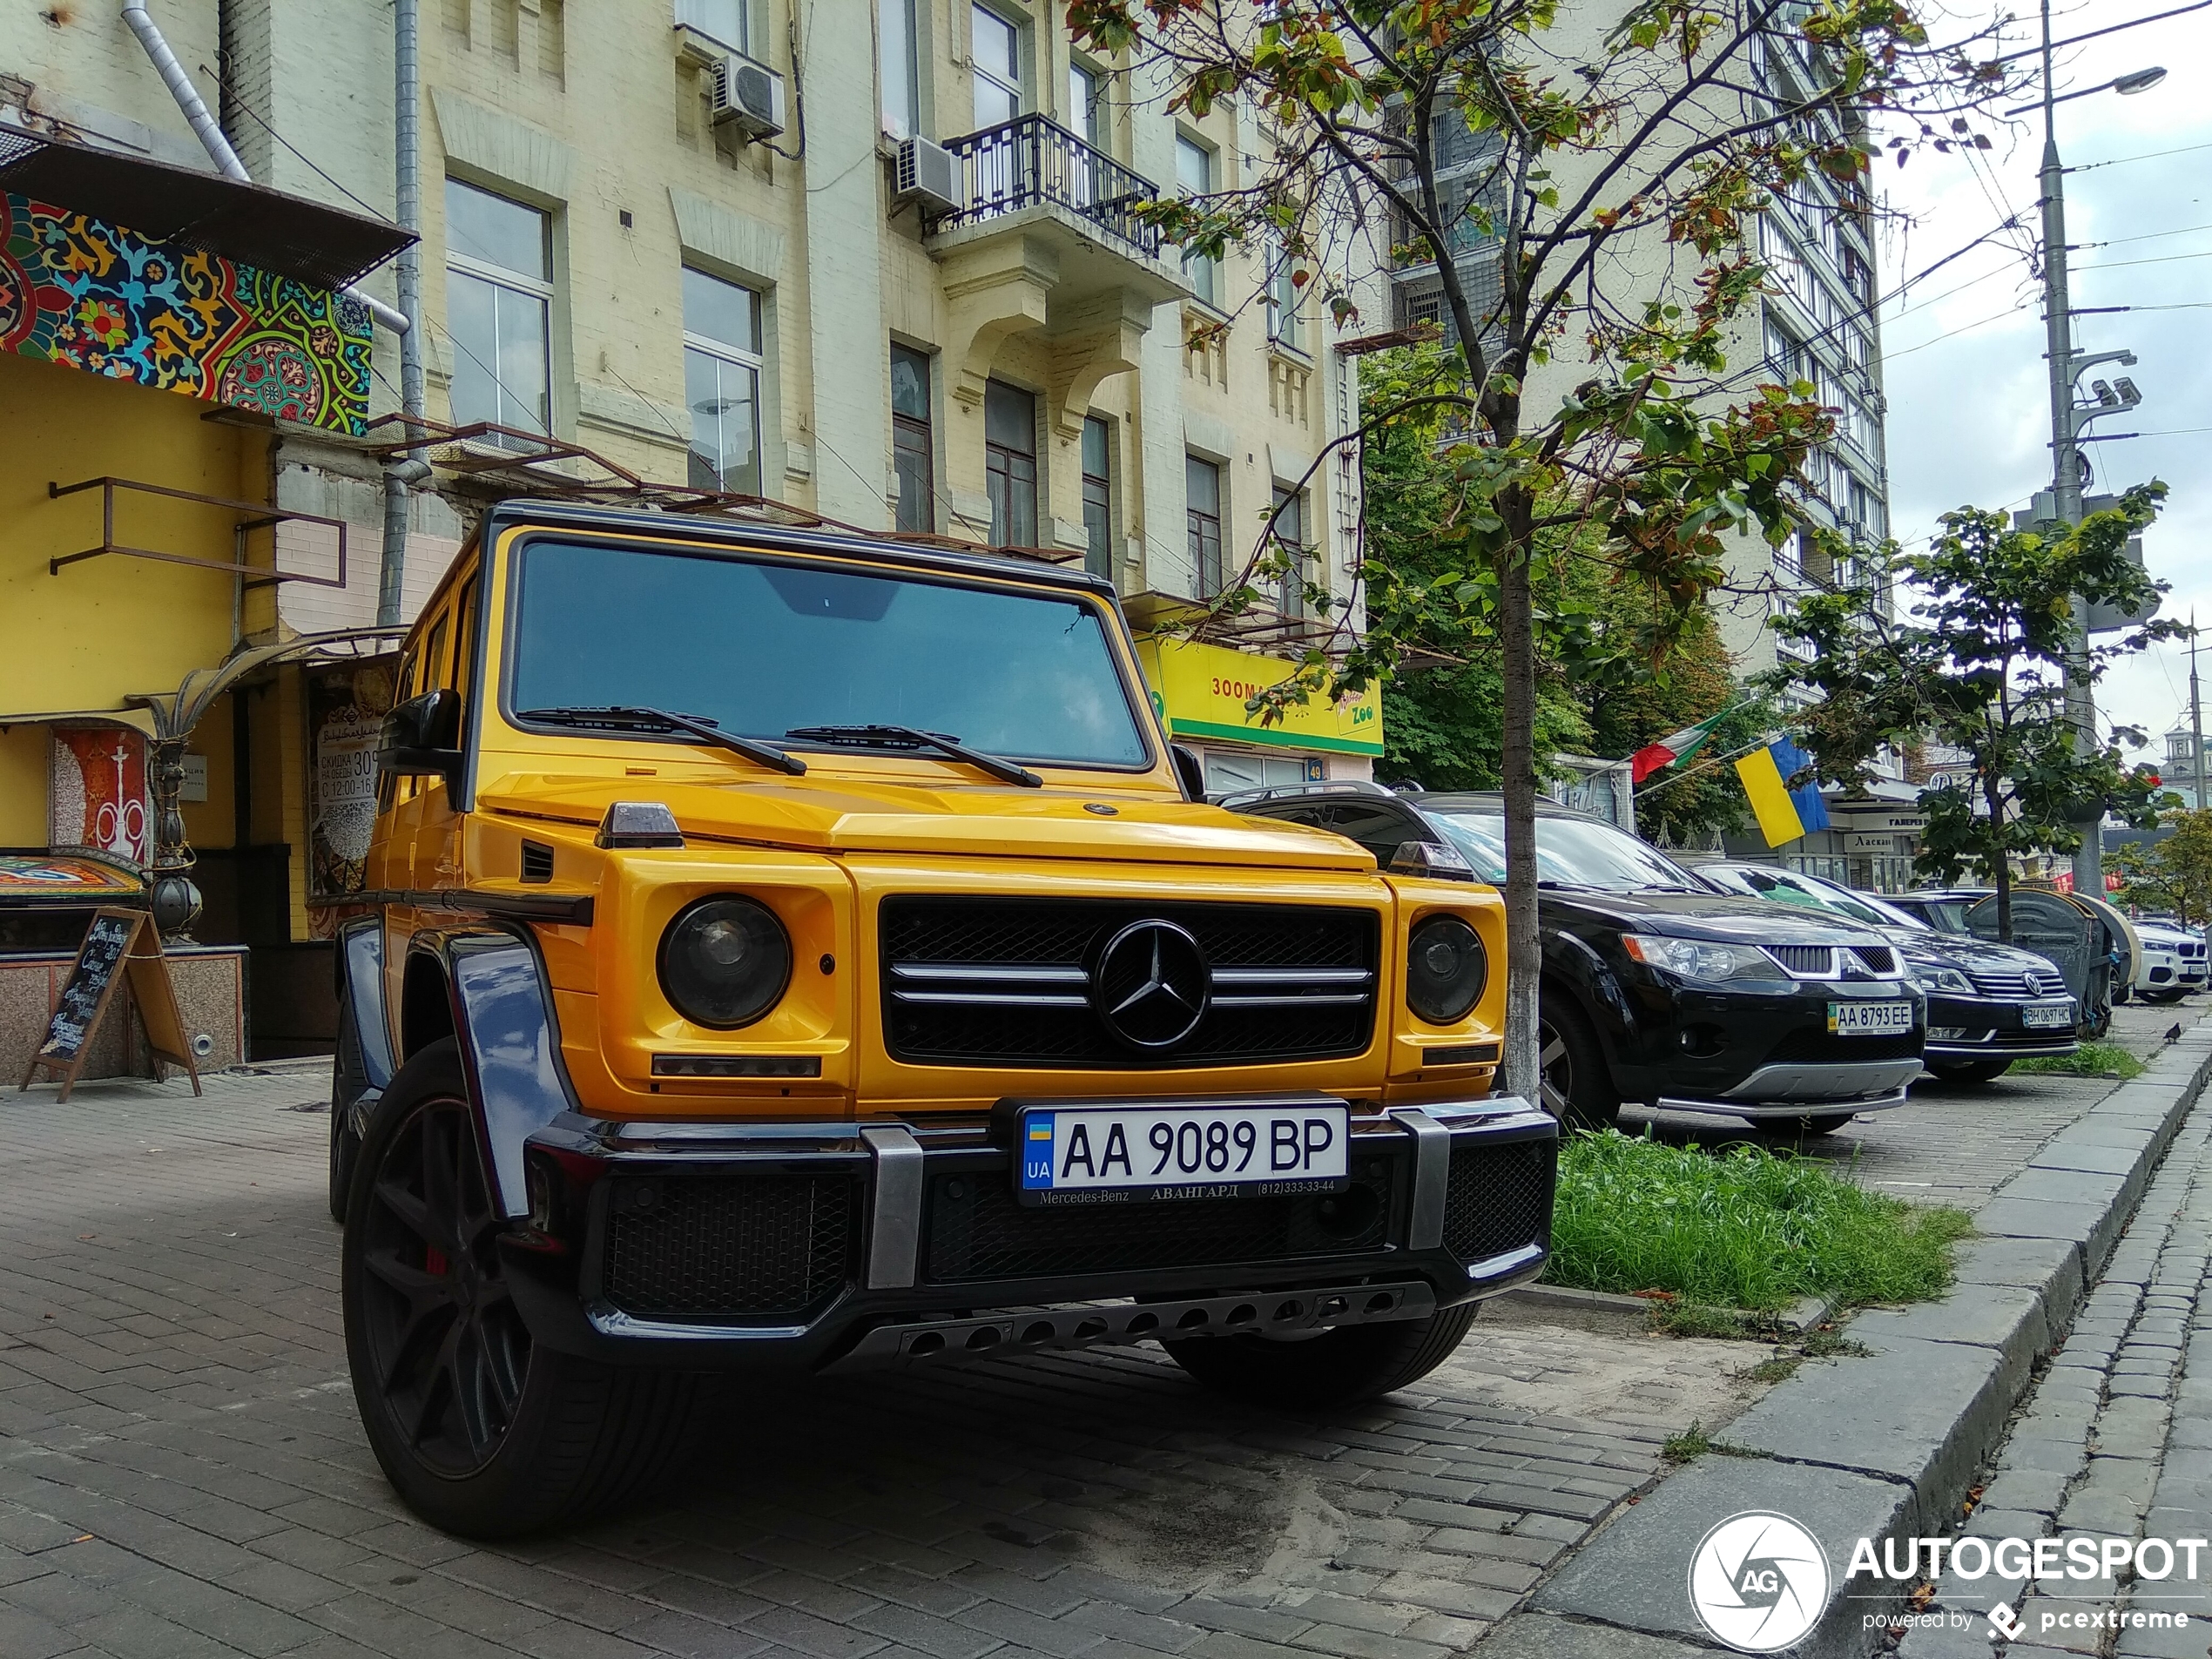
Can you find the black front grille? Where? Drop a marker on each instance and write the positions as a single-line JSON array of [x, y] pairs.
[[1499, 1198], [728, 1245], [1806, 961], [1879, 959], [1816, 1046], [1009, 980], [976, 1230]]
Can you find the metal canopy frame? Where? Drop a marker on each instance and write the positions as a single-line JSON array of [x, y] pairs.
[[260, 516]]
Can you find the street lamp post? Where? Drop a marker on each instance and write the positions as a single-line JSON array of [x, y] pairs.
[[2068, 420]]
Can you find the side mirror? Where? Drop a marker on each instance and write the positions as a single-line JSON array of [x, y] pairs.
[[1190, 771], [423, 735]]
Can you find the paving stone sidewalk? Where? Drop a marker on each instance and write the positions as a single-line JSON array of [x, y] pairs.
[[2115, 1441], [182, 1472]]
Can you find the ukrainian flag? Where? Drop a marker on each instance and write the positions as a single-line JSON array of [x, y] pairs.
[[1784, 813]]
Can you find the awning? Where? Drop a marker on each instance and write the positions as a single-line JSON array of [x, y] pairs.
[[325, 247], [136, 719]]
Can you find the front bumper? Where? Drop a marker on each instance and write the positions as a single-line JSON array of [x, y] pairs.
[[1760, 1053], [802, 1247], [1981, 1027]]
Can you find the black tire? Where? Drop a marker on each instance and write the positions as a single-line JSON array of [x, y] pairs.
[[481, 1432], [1335, 1368], [1969, 1071], [1792, 1129], [2119, 995], [2162, 997], [1577, 1085]]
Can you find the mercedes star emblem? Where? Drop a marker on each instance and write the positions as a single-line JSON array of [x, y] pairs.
[[1152, 984]]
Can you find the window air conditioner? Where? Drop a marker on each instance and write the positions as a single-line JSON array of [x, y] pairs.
[[928, 175], [749, 96]]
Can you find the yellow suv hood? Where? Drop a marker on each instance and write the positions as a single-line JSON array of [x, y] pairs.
[[848, 816]]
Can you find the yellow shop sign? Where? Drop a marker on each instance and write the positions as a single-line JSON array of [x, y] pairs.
[[1200, 691]]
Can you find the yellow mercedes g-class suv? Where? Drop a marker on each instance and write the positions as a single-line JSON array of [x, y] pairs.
[[801, 951]]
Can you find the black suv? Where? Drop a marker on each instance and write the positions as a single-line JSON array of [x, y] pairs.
[[1658, 989]]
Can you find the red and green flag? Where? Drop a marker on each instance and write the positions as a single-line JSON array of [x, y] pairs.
[[1656, 757]]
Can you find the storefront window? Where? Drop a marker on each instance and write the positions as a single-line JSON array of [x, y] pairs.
[[1230, 770]]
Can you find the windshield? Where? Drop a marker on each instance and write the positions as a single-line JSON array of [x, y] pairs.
[[1788, 886], [762, 649], [1946, 915], [1570, 852]]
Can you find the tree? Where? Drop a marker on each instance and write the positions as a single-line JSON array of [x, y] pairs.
[[1620, 173], [1977, 666], [2174, 873]]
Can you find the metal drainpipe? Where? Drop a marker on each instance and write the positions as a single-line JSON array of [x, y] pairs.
[[400, 473], [211, 134]]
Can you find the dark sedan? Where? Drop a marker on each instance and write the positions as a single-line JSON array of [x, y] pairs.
[[1989, 1004], [1657, 989]]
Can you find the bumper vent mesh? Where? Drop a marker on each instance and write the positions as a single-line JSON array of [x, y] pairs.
[[974, 1229], [728, 1245], [1499, 1198]]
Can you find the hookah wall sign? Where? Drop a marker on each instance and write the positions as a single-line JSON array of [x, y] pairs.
[[99, 792]]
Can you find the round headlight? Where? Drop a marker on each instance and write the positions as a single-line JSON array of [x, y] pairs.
[[724, 962], [1446, 970]]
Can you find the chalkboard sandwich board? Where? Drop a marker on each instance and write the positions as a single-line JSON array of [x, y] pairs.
[[119, 946]]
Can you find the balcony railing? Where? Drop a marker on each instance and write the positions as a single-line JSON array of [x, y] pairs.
[[1029, 161]]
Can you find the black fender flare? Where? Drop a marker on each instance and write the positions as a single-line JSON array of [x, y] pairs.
[[364, 1062], [502, 1004]]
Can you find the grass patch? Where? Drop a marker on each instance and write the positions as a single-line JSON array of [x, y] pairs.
[[1738, 1228], [2090, 1060], [1692, 1442]]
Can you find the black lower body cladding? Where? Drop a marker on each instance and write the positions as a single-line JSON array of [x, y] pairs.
[[769, 1246], [1744, 1050]]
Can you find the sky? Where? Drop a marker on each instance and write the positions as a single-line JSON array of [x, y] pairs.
[[1969, 404]]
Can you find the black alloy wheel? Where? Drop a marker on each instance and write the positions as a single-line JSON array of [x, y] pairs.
[[450, 1352], [480, 1432], [1575, 1085]]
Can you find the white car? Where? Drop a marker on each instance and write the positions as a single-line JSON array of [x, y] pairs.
[[2173, 964]]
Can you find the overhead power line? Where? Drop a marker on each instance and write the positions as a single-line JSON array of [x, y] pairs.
[[2122, 161]]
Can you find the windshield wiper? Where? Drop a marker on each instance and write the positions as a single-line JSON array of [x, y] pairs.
[[907, 736], [620, 715]]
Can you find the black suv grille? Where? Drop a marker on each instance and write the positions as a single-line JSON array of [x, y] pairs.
[[997, 981], [975, 1229], [1499, 1198], [728, 1245]]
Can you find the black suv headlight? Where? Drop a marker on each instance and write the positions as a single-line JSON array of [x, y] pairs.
[[1446, 970], [724, 962]]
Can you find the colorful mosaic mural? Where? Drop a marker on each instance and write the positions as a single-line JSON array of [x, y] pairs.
[[81, 292]]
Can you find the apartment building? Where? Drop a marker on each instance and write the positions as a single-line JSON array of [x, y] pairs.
[[873, 263]]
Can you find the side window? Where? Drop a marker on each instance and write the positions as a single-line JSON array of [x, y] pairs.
[[437, 670], [465, 656]]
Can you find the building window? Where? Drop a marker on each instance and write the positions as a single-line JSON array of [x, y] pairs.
[[499, 294], [1290, 536], [1282, 298], [1201, 497], [1010, 463], [1098, 497], [901, 68], [912, 454], [995, 54], [1086, 104], [722, 382], [728, 22], [1194, 174]]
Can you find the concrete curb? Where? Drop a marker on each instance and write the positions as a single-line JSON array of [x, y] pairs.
[[1886, 1445], [1801, 1316]]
